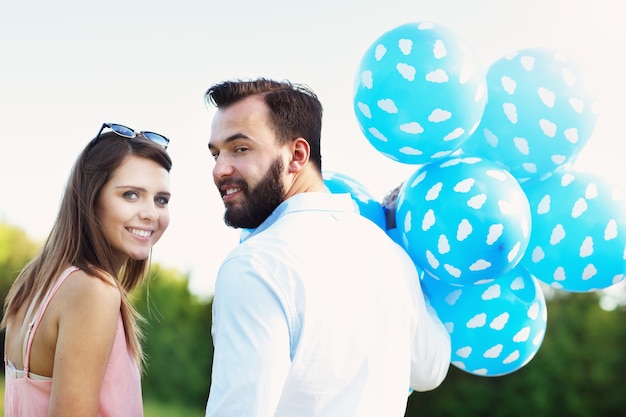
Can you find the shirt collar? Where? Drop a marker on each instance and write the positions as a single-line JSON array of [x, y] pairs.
[[309, 201]]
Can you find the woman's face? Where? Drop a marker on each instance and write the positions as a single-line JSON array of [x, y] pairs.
[[133, 208]]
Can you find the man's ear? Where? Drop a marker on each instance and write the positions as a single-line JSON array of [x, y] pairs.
[[300, 152]]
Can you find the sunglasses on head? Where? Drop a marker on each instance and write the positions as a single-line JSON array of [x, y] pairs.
[[129, 133]]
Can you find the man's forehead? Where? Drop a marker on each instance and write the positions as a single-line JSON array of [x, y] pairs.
[[246, 118], [249, 108]]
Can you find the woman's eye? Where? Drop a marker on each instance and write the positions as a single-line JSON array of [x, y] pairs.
[[131, 195], [163, 201]]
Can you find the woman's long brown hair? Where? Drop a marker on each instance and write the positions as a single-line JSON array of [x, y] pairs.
[[77, 237]]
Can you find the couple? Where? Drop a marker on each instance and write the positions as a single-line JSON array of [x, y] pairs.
[[317, 312]]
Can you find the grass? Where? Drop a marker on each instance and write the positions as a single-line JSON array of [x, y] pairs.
[[151, 408]]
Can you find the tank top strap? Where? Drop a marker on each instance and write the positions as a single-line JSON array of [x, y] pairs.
[[32, 326]]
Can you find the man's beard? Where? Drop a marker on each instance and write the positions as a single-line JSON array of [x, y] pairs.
[[260, 202]]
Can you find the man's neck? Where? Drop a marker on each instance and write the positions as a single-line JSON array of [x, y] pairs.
[[306, 181]]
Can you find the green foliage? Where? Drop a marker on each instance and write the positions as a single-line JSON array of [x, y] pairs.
[[178, 341], [154, 408], [16, 249], [2, 396]]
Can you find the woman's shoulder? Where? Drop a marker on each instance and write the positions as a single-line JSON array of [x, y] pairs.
[[81, 288], [82, 304]]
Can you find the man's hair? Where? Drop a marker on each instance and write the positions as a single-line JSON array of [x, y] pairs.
[[295, 110]]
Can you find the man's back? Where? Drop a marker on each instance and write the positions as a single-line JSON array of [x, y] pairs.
[[352, 356], [345, 300]]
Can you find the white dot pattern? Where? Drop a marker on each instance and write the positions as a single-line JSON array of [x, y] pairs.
[[541, 112], [578, 237], [497, 327], [421, 88], [464, 219]]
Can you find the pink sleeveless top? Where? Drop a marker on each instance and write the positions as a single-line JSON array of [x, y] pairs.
[[27, 395]]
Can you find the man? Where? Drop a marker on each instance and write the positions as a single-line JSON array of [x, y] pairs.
[[317, 312]]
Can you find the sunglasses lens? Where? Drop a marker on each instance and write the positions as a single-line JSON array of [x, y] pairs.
[[123, 131], [129, 133], [156, 138]]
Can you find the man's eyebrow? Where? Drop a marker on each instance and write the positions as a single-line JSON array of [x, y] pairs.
[[232, 138]]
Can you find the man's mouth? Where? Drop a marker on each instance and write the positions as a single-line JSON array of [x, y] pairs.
[[230, 188]]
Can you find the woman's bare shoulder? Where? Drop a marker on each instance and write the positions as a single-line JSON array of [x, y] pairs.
[[84, 290]]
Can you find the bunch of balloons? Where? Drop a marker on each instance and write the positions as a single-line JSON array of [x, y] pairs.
[[493, 207]]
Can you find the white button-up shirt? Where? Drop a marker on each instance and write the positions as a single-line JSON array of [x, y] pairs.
[[318, 313]]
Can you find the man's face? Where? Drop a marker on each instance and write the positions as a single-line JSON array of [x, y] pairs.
[[249, 168]]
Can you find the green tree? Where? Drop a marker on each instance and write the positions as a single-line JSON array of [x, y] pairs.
[[178, 341], [16, 249]]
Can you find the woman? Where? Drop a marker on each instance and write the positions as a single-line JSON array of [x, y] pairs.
[[72, 339]]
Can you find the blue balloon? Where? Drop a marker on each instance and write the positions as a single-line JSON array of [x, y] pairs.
[[578, 239], [369, 207], [419, 93], [495, 327], [463, 219], [540, 113]]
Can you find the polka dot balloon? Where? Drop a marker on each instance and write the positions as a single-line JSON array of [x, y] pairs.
[[419, 93], [540, 113], [368, 206], [463, 219], [495, 327], [578, 241]]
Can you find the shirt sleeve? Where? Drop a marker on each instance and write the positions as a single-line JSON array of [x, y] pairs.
[[251, 342], [431, 352], [432, 349]]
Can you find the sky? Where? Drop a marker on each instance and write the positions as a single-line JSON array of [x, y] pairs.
[[68, 66]]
